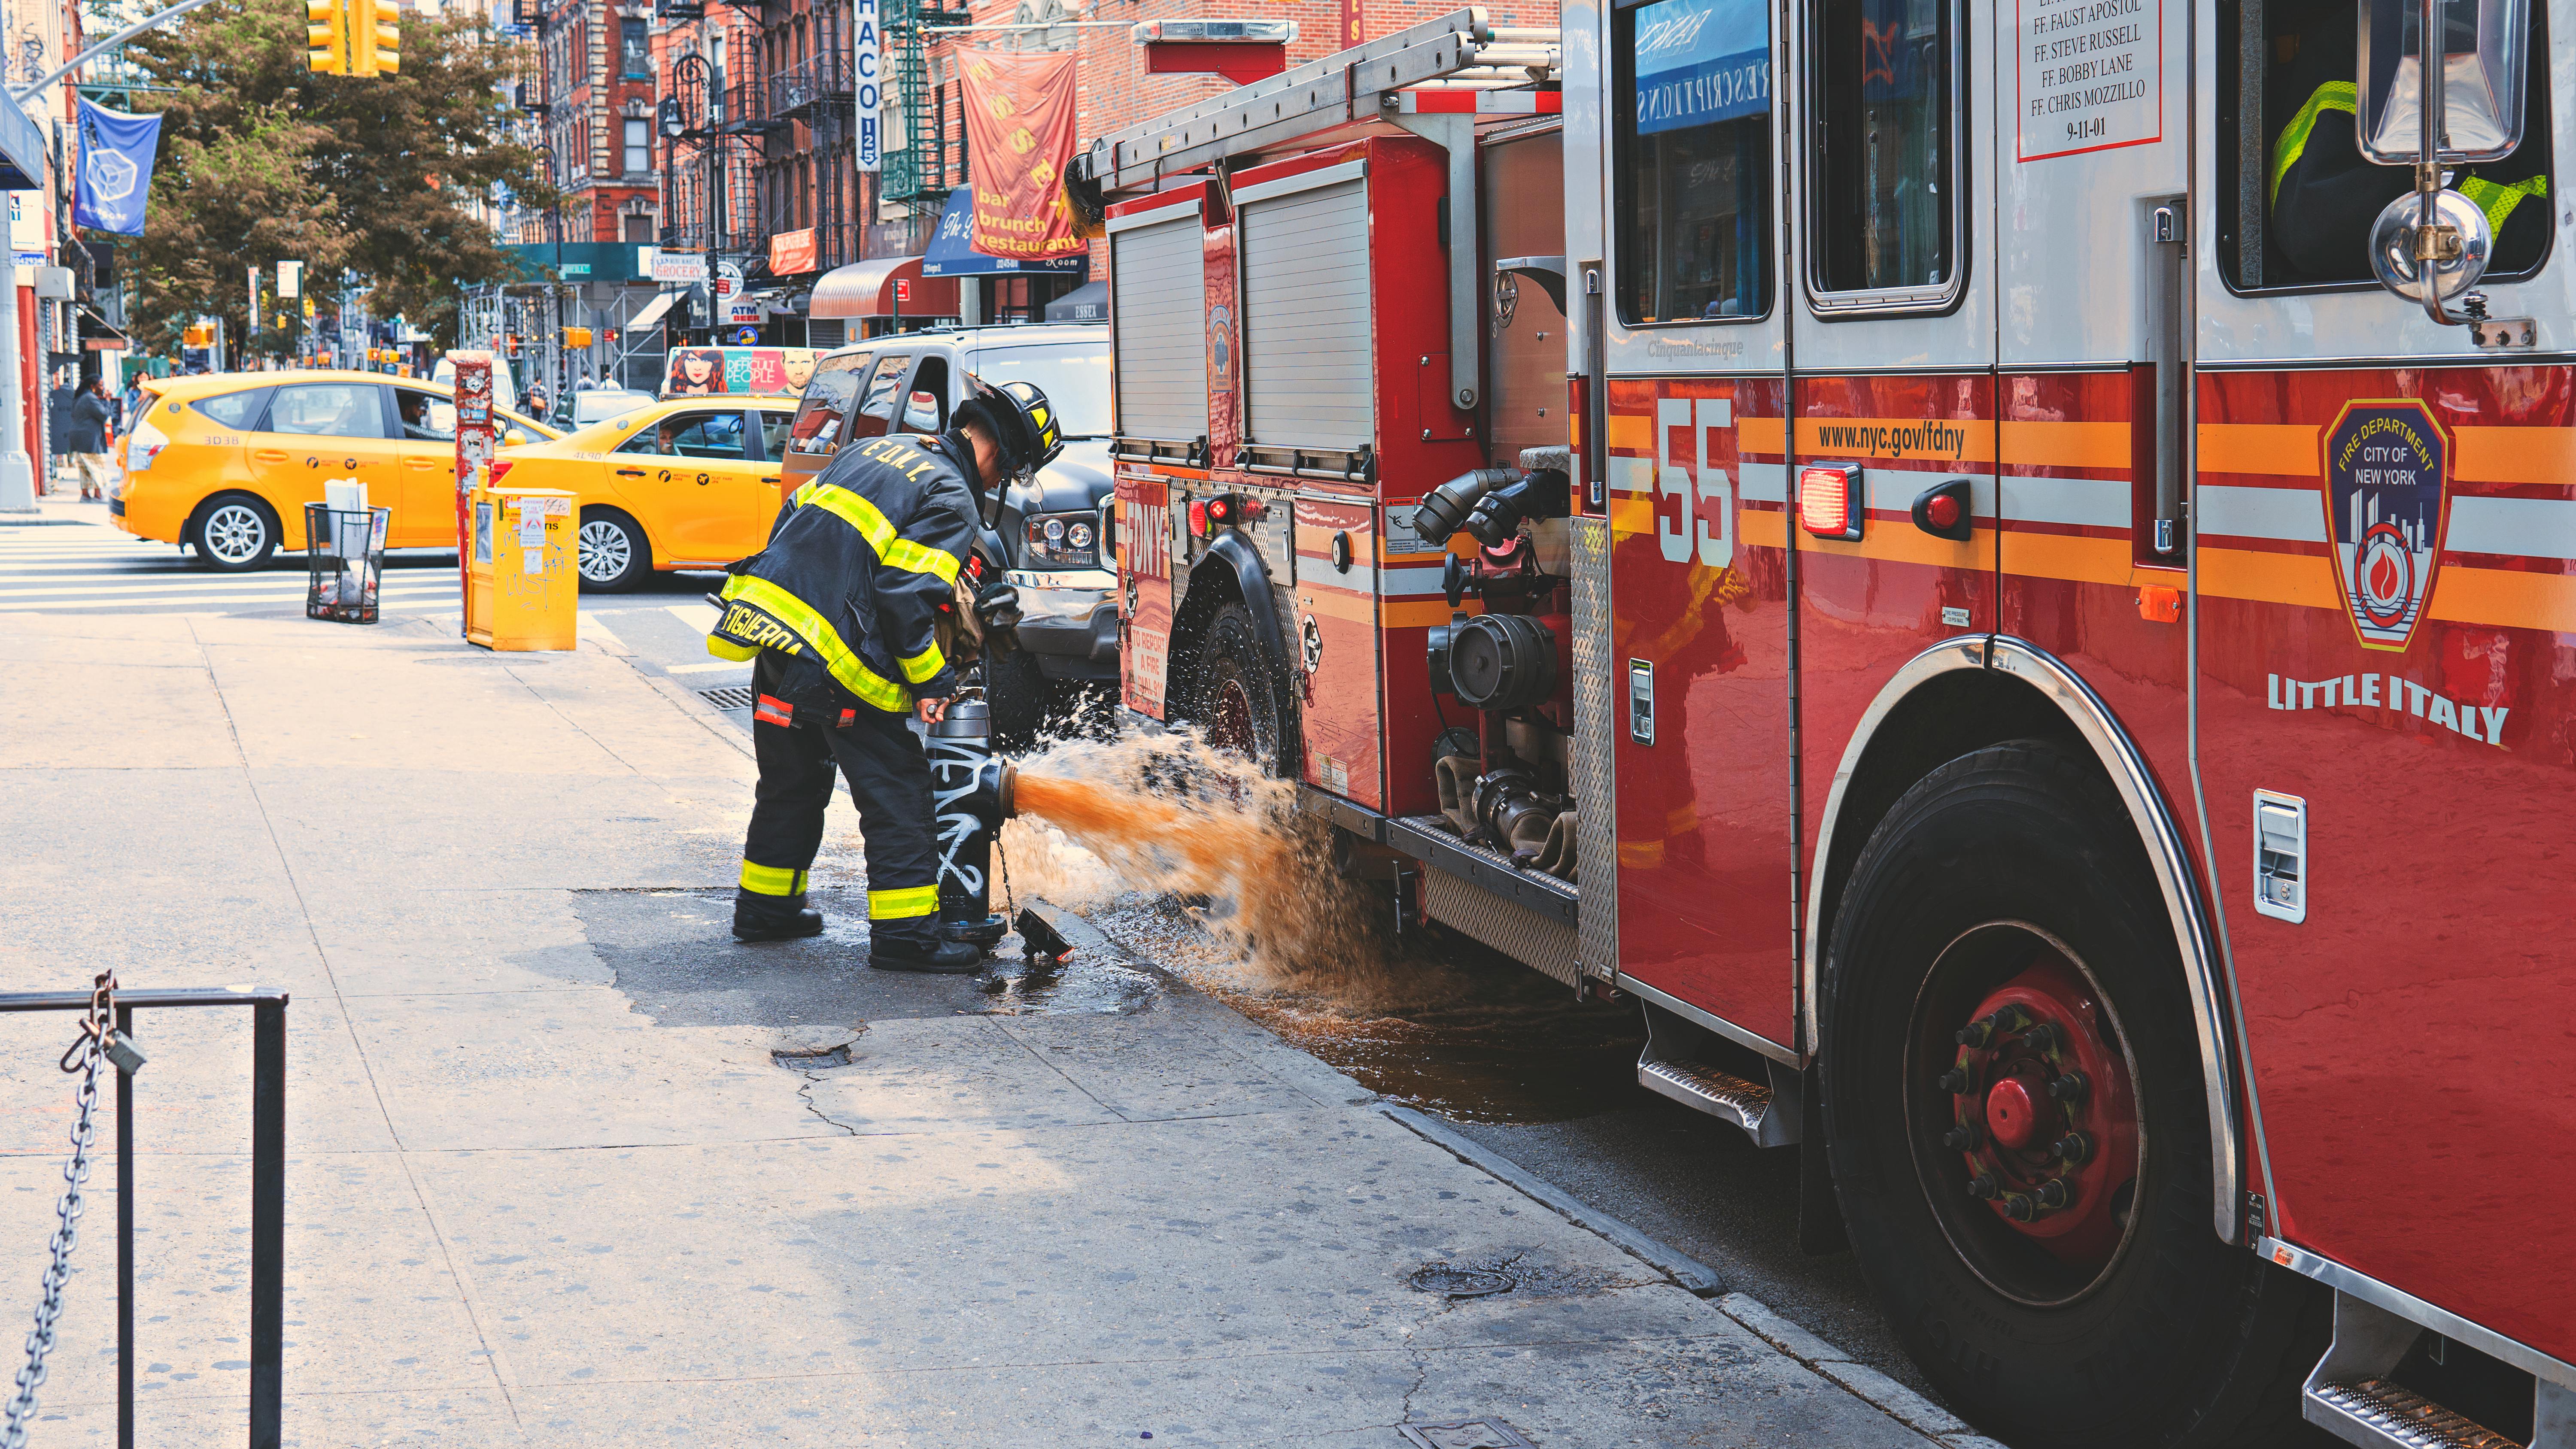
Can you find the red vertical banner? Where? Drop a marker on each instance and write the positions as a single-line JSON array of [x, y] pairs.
[[1020, 131]]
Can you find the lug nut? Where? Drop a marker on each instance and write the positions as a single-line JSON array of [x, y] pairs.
[[1982, 1185], [1954, 1081], [2054, 1193], [2068, 1088], [2072, 1148], [2019, 1207], [1962, 1138], [1976, 1034], [2041, 1038]]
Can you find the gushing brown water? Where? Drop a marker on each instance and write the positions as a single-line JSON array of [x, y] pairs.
[[1170, 814], [1119, 828]]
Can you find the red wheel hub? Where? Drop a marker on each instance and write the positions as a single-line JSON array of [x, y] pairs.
[[2046, 1118], [2012, 1113]]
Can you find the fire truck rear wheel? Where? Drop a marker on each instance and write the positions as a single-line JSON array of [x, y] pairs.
[[1236, 697], [2043, 1246]]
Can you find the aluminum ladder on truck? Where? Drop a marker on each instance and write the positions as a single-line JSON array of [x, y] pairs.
[[1440, 80]]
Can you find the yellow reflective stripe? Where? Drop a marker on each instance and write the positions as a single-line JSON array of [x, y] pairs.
[[871, 523], [2498, 198], [728, 649], [853, 672], [904, 904], [772, 880], [924, 664], [2332, 96]]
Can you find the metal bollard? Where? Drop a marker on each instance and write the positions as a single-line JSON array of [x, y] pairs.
[[970, 796]]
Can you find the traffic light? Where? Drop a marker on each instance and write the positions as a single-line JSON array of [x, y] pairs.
[[375, 36], [576, 337], [514, 344], [327, 28]]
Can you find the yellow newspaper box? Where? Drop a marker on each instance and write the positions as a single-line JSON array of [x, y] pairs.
[[522, 591]]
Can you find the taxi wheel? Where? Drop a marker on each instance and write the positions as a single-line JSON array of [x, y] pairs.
[[614, 556], [235, 532]]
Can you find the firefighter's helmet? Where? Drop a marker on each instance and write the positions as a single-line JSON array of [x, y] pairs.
[[1022, 421]]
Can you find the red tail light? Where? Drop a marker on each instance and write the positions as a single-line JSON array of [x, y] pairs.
[[499, 468], [1830, 503], [1198, 518]]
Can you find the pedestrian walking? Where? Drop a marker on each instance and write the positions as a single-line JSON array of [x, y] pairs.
[[132, 405], [842, 604], [92, 417]]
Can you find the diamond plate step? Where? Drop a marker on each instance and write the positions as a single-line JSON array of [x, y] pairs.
[[2380, 1415], [1720, 1094]]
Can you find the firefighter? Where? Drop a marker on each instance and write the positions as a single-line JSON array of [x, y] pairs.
[[2325, 194], [841, 612]]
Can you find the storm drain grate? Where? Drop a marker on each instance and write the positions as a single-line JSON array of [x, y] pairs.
[[1464, 1434], [729, 698], [1462, 1282]]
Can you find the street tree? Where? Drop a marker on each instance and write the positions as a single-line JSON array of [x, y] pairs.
[[265, 160]]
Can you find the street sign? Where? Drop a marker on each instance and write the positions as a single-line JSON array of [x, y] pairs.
[[290, 280], [871, 91]]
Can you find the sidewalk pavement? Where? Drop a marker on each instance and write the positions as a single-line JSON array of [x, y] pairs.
[[548, 1184]]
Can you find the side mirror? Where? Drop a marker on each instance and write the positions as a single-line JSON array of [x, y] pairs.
[[513, 438], [2433, 244], [2485, 57]]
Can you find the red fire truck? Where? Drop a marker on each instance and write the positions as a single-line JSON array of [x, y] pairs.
[[2007, 571]]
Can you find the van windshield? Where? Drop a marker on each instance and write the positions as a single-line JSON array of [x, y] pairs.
[[1073, 375]]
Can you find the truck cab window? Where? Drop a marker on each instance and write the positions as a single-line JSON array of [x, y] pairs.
[[2289, 96], [1692, 209], [1885, 177]]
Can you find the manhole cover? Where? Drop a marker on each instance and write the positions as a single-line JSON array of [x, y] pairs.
[[1465, 1434], [824, 1059], [729, 698], [1463, 1283]]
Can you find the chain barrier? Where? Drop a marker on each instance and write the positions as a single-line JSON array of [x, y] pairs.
[[86, 1056]]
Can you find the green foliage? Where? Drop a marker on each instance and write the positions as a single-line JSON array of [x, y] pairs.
[[263, 160]]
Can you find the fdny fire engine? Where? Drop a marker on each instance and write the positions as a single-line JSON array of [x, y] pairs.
[[2007, 571]]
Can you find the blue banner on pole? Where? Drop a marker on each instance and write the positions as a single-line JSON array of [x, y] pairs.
[[116, 151], [1701, 61]]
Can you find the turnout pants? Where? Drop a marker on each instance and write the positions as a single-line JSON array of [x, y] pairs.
[[890, 782]]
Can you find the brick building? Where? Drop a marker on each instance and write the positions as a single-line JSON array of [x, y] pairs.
[[592, 108]]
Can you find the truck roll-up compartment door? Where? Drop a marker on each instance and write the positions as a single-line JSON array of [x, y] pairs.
[[1309, 378], [1158, 319]]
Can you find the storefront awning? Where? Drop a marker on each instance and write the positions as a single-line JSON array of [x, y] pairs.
[[653, 312], [867, 289], [1086, 303], [952, 252]]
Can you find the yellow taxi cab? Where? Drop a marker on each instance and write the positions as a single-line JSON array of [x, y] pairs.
[[687, 482], [691, 481], [224, 463]]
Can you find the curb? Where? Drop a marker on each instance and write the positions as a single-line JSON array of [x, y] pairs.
[[1694, 1276], [1885, 1394]]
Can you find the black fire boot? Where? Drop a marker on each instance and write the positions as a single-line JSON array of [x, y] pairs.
[[773, 918], [937, 958]]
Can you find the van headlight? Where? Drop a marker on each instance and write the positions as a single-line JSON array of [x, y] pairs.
[[1064, 540]]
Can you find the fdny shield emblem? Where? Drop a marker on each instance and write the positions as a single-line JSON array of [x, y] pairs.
[[2386, 509]]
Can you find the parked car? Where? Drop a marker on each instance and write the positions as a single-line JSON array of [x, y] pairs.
[[1053, 529], [597, 405], [686, 482], [224, 462]]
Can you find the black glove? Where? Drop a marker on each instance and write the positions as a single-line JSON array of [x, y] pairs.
[[997, 608]]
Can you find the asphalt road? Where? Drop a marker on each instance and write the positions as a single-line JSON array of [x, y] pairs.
[[1676, 1175]]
